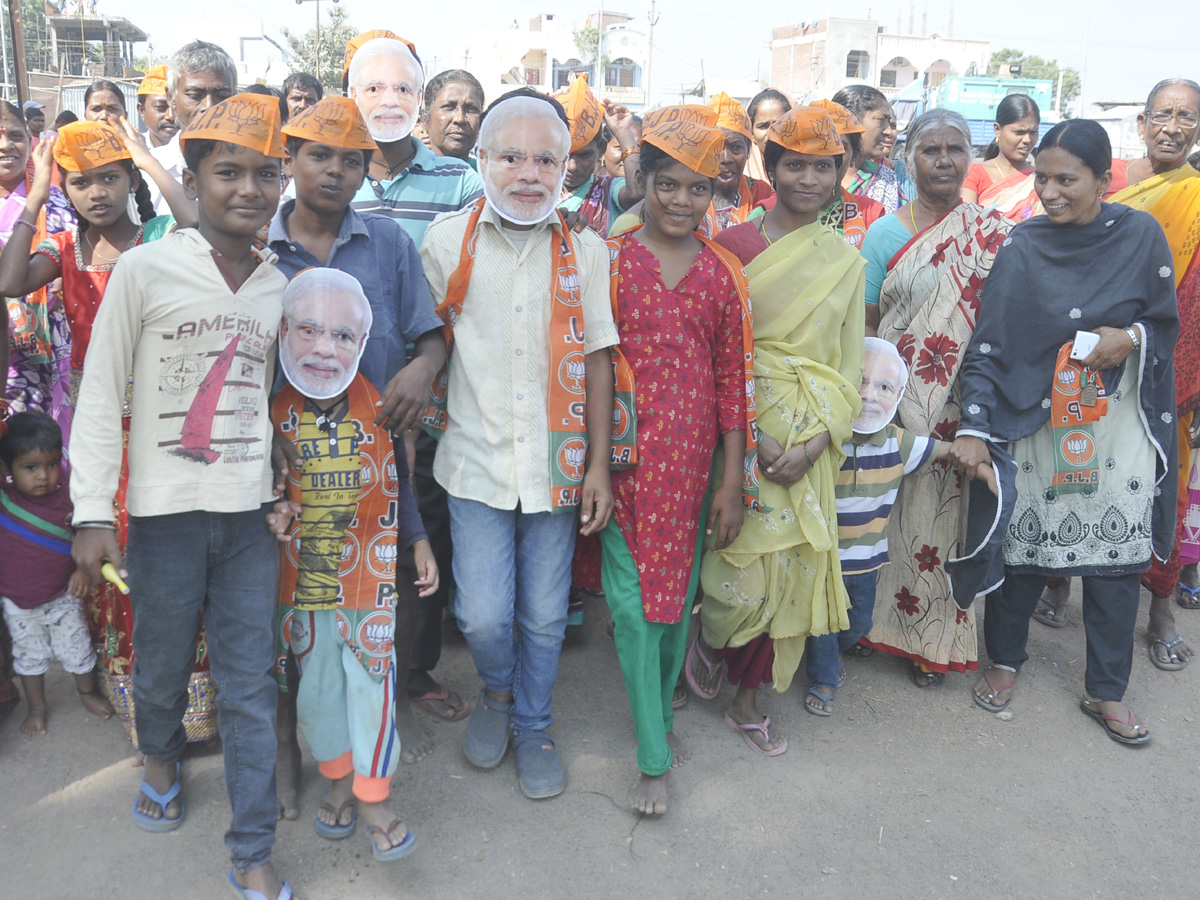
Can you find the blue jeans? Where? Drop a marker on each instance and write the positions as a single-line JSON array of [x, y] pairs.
[[511, 566], [825, 651], [224, 567]]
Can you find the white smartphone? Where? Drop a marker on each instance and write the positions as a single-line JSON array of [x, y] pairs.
[[1085, 343]]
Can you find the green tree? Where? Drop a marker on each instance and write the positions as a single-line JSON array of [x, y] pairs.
[[1036, 67], [330, 51], [587, 42]]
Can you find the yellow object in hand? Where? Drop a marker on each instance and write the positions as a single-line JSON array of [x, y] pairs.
[[109, 571]]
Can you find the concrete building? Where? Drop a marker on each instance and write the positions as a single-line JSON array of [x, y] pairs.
[[257, 52], [545, 55], [816, 59]]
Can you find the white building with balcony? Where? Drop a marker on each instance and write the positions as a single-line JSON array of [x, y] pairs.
[[816, 59]]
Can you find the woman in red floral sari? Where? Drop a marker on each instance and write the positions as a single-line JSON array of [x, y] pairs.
[[939, 253]]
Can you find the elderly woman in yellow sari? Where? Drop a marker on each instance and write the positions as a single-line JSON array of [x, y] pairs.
[[781, 580], [1163, 184]]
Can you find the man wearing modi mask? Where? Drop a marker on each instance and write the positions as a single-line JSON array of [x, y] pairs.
[[338, 588], [524, 412], [878, 456], [405, 180]]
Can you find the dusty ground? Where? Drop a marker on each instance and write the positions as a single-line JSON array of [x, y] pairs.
[[903, 793]]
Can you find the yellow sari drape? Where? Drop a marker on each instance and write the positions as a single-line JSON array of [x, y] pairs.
[[1174, 199], [782, 575]]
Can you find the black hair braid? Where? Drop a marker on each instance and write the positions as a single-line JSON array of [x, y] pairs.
[[141, 197]]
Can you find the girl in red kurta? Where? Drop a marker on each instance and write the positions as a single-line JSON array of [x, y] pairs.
[[679, 309]]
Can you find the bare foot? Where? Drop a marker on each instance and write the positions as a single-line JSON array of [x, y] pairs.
[[650, 794], [287, 777], [1161, 629], [679, 753], [262, 879], [35, 722], [160, 776], [97, 703], [387, 830], [338, 807], [415, 744]]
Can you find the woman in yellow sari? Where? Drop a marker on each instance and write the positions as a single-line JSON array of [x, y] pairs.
[[781, 580], [1163, 184]]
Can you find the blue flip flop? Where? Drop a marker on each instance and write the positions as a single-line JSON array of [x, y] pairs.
[[285, 892], [161, 824], [399, 851], [339, 831]]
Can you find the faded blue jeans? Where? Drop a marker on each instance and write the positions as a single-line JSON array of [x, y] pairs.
[[824, 651], [224, 567], [514, 567]]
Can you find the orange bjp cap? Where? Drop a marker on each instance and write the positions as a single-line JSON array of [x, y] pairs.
[[248, 120], [585, 113], [333, 120], [358, 40], [844, 120], [730, 114], [807, 129], [83, 145], [688, 134], [155, 81]]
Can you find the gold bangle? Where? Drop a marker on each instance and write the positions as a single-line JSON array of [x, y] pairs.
[[629, 151]]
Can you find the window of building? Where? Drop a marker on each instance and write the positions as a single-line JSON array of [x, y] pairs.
[[533, 76], [621, 72], [858, 64]]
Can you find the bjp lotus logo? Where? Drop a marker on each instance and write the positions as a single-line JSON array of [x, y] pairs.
[[1078, 448], [1066, 381], [350, 554], [571, 457], [568, 283], [391, 478], [295, 629], [749, 474], [572, 372], [382, 556], [620, 420], [375, 634]]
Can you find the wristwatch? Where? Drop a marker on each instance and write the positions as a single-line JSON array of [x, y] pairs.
[[1133, 336]]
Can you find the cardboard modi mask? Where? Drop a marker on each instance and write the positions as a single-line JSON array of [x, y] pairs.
[[326, 320], [885, 376]]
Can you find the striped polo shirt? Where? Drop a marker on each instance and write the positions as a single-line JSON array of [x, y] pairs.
[[427, 187], [866, 491]]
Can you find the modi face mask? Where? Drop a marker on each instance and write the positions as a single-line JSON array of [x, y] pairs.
[[884, 378], [326, 320]]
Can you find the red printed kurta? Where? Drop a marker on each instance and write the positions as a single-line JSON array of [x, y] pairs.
[[685, 347]]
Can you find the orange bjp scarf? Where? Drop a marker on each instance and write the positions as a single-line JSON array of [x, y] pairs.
[[565, 410]]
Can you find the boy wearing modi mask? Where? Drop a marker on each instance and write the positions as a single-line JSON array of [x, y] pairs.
[[878, 456], [524, 412], [339, 560]]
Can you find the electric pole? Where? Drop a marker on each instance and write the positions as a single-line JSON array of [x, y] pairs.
[[650, 50]]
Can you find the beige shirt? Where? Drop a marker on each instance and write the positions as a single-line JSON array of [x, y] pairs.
[[202, 359], [495, 449]]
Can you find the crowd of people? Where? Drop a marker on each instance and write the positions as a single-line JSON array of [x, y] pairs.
[[290, 377]]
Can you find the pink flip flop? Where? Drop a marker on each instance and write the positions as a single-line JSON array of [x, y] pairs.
[[718, 669], [763, 727]]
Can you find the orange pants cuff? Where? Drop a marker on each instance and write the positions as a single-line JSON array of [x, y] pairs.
[[372, 790], [336, 769]]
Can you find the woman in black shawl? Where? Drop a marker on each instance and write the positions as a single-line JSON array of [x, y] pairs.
[[1092, 441]]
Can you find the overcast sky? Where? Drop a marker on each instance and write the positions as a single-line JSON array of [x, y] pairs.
[[1119, 61]]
